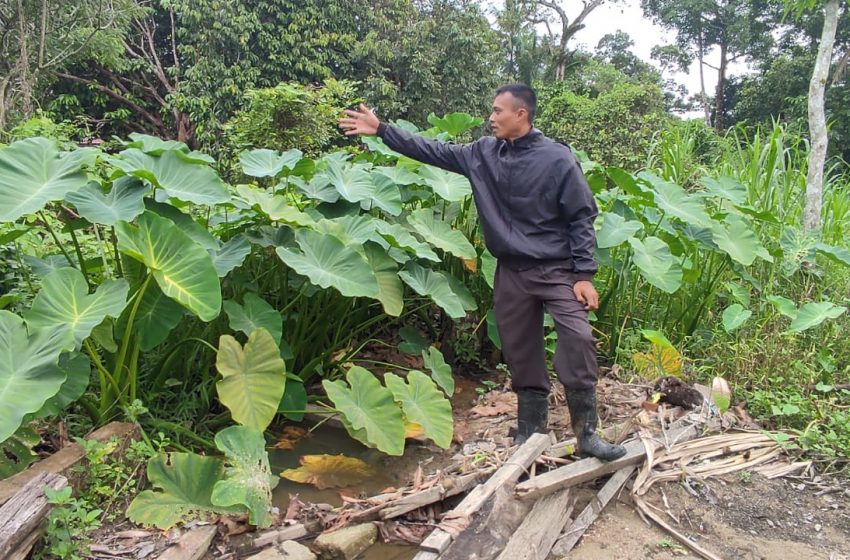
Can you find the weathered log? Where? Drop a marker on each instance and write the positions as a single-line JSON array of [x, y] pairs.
[[590, 513], [534, 538], [592, 468], [193, 545], [440, 539], [276, 536], [67, 457], [24, 514]]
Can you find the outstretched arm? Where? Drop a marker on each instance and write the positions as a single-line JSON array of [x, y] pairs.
[[446, 155]]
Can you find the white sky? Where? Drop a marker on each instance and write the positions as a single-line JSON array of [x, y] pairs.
[[627, 16]]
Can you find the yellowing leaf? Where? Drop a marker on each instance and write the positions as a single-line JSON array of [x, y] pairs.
[[412, 430], [658, 362], [329, 471], [290, 436], [471, 265]]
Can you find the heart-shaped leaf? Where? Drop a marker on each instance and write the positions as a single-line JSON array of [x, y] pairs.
[[180, 177], [675, 201], [455, 123], [813, 314], [248, 479], [440, 370], [616, 230], [317, 188], [368, 406], [231, 255], [185, 482], [268, 163], [448, 186], [294, 401], [156, 317], [734, 316], [33, 172], [253, 378], [64, 300], [385, 195], [397, 236], [727, 188], [256, 313], [183, 269], [440, 234], [390, 289], [29, 368], [435, 285], [424, 404], [124, 201], [351, 181], [784, 305], [327, 262], [77, 369], [657, 264], [739, 241]]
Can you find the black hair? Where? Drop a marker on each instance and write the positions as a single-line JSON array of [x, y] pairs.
[[525, 95]]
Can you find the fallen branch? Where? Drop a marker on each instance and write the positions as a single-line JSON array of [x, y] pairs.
[[24, 513], [538, 532], [642, 507]]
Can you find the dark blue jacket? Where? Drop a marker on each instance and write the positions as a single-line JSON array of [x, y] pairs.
[[532, 198]]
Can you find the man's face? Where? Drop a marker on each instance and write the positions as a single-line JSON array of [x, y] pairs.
[[509, 118]]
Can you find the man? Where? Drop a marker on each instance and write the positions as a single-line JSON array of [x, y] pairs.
[[537, 215]]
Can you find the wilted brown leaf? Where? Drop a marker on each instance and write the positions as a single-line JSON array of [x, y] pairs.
[[290, 436], [329, 471]]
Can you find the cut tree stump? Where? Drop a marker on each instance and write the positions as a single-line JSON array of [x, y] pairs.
[[23, 514], [540, 529], [592, 468], [67, 457], [193, 545], [440, 539], [585, 519]]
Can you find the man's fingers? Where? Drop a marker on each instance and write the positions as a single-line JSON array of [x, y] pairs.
[[351, 133], [353, 113]]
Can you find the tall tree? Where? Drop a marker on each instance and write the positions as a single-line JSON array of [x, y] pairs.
[[737, 28]]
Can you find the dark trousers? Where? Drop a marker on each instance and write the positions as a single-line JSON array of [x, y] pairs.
[[519, 298]]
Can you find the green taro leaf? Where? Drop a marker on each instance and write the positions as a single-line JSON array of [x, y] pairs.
[[156, 317], [398, 175], [351, 181], [182, 268], [616, 230], [488, 267], [369, 408], [837, 254], [124, 201], [813, 314], [455, 123], [739, 241], [186, 223], [397, 236], [256, 313], [424, 404], [231, 255], [385, 195], [180, 177], [735, 316], [77, 368], [64, 300], [727, 188], [448, 186], [784, 305], [390, 289], [435, 285], [440, 234], [248, 479], [29, 368], [675, 201], [253, 378], [327, 262], [294, 401], [16, 452], [33, 172], [318, 188], [657, 264], [268, 163], [185, 483], [440, 370]]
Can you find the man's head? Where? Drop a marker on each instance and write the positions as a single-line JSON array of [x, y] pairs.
[[513, 111]]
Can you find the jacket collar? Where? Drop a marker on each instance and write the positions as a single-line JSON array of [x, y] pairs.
[[524, 142]]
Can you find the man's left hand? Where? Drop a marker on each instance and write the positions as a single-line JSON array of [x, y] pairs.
[[586, 294]]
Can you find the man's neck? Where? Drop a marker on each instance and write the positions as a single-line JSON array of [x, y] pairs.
[[520, 134]]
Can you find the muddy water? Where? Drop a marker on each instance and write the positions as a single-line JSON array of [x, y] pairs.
[[389, 472]]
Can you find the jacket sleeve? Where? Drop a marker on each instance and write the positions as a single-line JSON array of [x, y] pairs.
[[446, 155], [580, 210]]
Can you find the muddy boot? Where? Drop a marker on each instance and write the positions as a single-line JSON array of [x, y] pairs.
[[582, 405], [532, 413]]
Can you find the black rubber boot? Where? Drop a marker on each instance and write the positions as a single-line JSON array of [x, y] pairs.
[[582, 405], [532, 413]]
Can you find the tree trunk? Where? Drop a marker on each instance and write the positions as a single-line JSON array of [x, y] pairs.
[[721, 88], [817, 119], [703, 96]]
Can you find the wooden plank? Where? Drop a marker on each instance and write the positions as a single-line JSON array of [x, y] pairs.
[[437, 493], [426, 555], [24, 513], [616, 434], [540, 529], [193, 545], [585, 519], [439, 539], [25, 548], [592, 468], [67, 457], [279, 535]]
